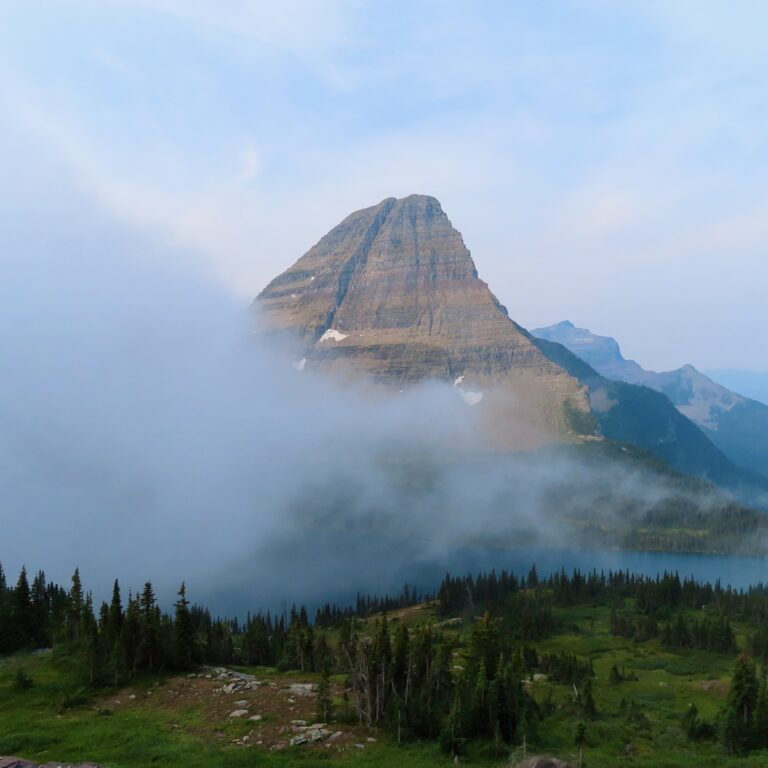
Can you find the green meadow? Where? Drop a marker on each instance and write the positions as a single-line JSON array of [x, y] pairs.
[[639, 722]]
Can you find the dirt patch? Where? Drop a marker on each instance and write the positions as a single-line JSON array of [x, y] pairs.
[[410, 615], [274, 712], [718, 687]]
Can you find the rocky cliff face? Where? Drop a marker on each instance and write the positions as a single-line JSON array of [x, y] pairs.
[[392, 293]]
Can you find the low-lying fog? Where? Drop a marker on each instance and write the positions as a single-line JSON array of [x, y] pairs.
[[146, 435]]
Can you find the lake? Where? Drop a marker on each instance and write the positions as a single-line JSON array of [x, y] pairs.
[[336, 566]]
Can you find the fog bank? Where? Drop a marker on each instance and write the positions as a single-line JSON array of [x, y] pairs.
[[145, 433]]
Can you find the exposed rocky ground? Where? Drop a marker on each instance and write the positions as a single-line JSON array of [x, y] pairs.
[[17, 762], [543, 762], [274, 712]]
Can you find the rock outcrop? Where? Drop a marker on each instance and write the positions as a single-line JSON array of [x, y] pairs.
[[17, 762], [543, 762], [392, 293]]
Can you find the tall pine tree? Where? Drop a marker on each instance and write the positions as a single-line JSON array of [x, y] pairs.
[[737, 722], [184, 633]]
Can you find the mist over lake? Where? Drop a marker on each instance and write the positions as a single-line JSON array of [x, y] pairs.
[[383, 384], [383, 564]]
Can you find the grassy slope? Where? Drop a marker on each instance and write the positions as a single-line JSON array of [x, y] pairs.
[[31, 726], [667, 683]]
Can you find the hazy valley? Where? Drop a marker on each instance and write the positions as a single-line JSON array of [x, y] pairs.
[[296, 470], [384, 421]]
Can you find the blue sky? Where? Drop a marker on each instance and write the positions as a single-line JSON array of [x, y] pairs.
[[607, 162]]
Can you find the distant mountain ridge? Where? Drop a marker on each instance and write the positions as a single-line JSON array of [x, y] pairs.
[[736, 424], [750, 384], [392, 294], [600, 352]]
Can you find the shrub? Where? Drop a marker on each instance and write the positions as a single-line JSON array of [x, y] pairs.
[[75, 698], [21, 680]]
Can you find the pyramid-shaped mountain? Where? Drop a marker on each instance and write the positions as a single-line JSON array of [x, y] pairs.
[[392, 292]]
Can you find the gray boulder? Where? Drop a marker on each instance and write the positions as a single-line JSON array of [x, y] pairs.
[[17, 762], [543, 762]]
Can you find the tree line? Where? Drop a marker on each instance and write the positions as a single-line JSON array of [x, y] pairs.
[[422, 681]]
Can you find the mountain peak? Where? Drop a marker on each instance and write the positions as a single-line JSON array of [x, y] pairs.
[[418, 199], [356, 277], [601, 352], [414, 204], [392, 292]]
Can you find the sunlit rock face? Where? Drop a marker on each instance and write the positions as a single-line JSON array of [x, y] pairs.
[[392, 293]]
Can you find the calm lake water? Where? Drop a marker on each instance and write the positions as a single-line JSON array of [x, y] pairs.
[[335, 567]]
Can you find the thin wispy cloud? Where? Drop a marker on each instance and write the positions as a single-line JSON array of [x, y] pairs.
[[604, 161]]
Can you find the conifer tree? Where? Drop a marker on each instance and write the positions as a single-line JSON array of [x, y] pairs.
[[691, 721], [323, 653], [6, 635], [737, 718], [39, 600], [149, 641], [761, 716], [586, 701], [451, 736], [91, 640], [130, 635], [184, 632], [23, 612], [115, 616], [76, 602], [401, 662], [324, 703], [580, 740], [484, 642], [478, 710]]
